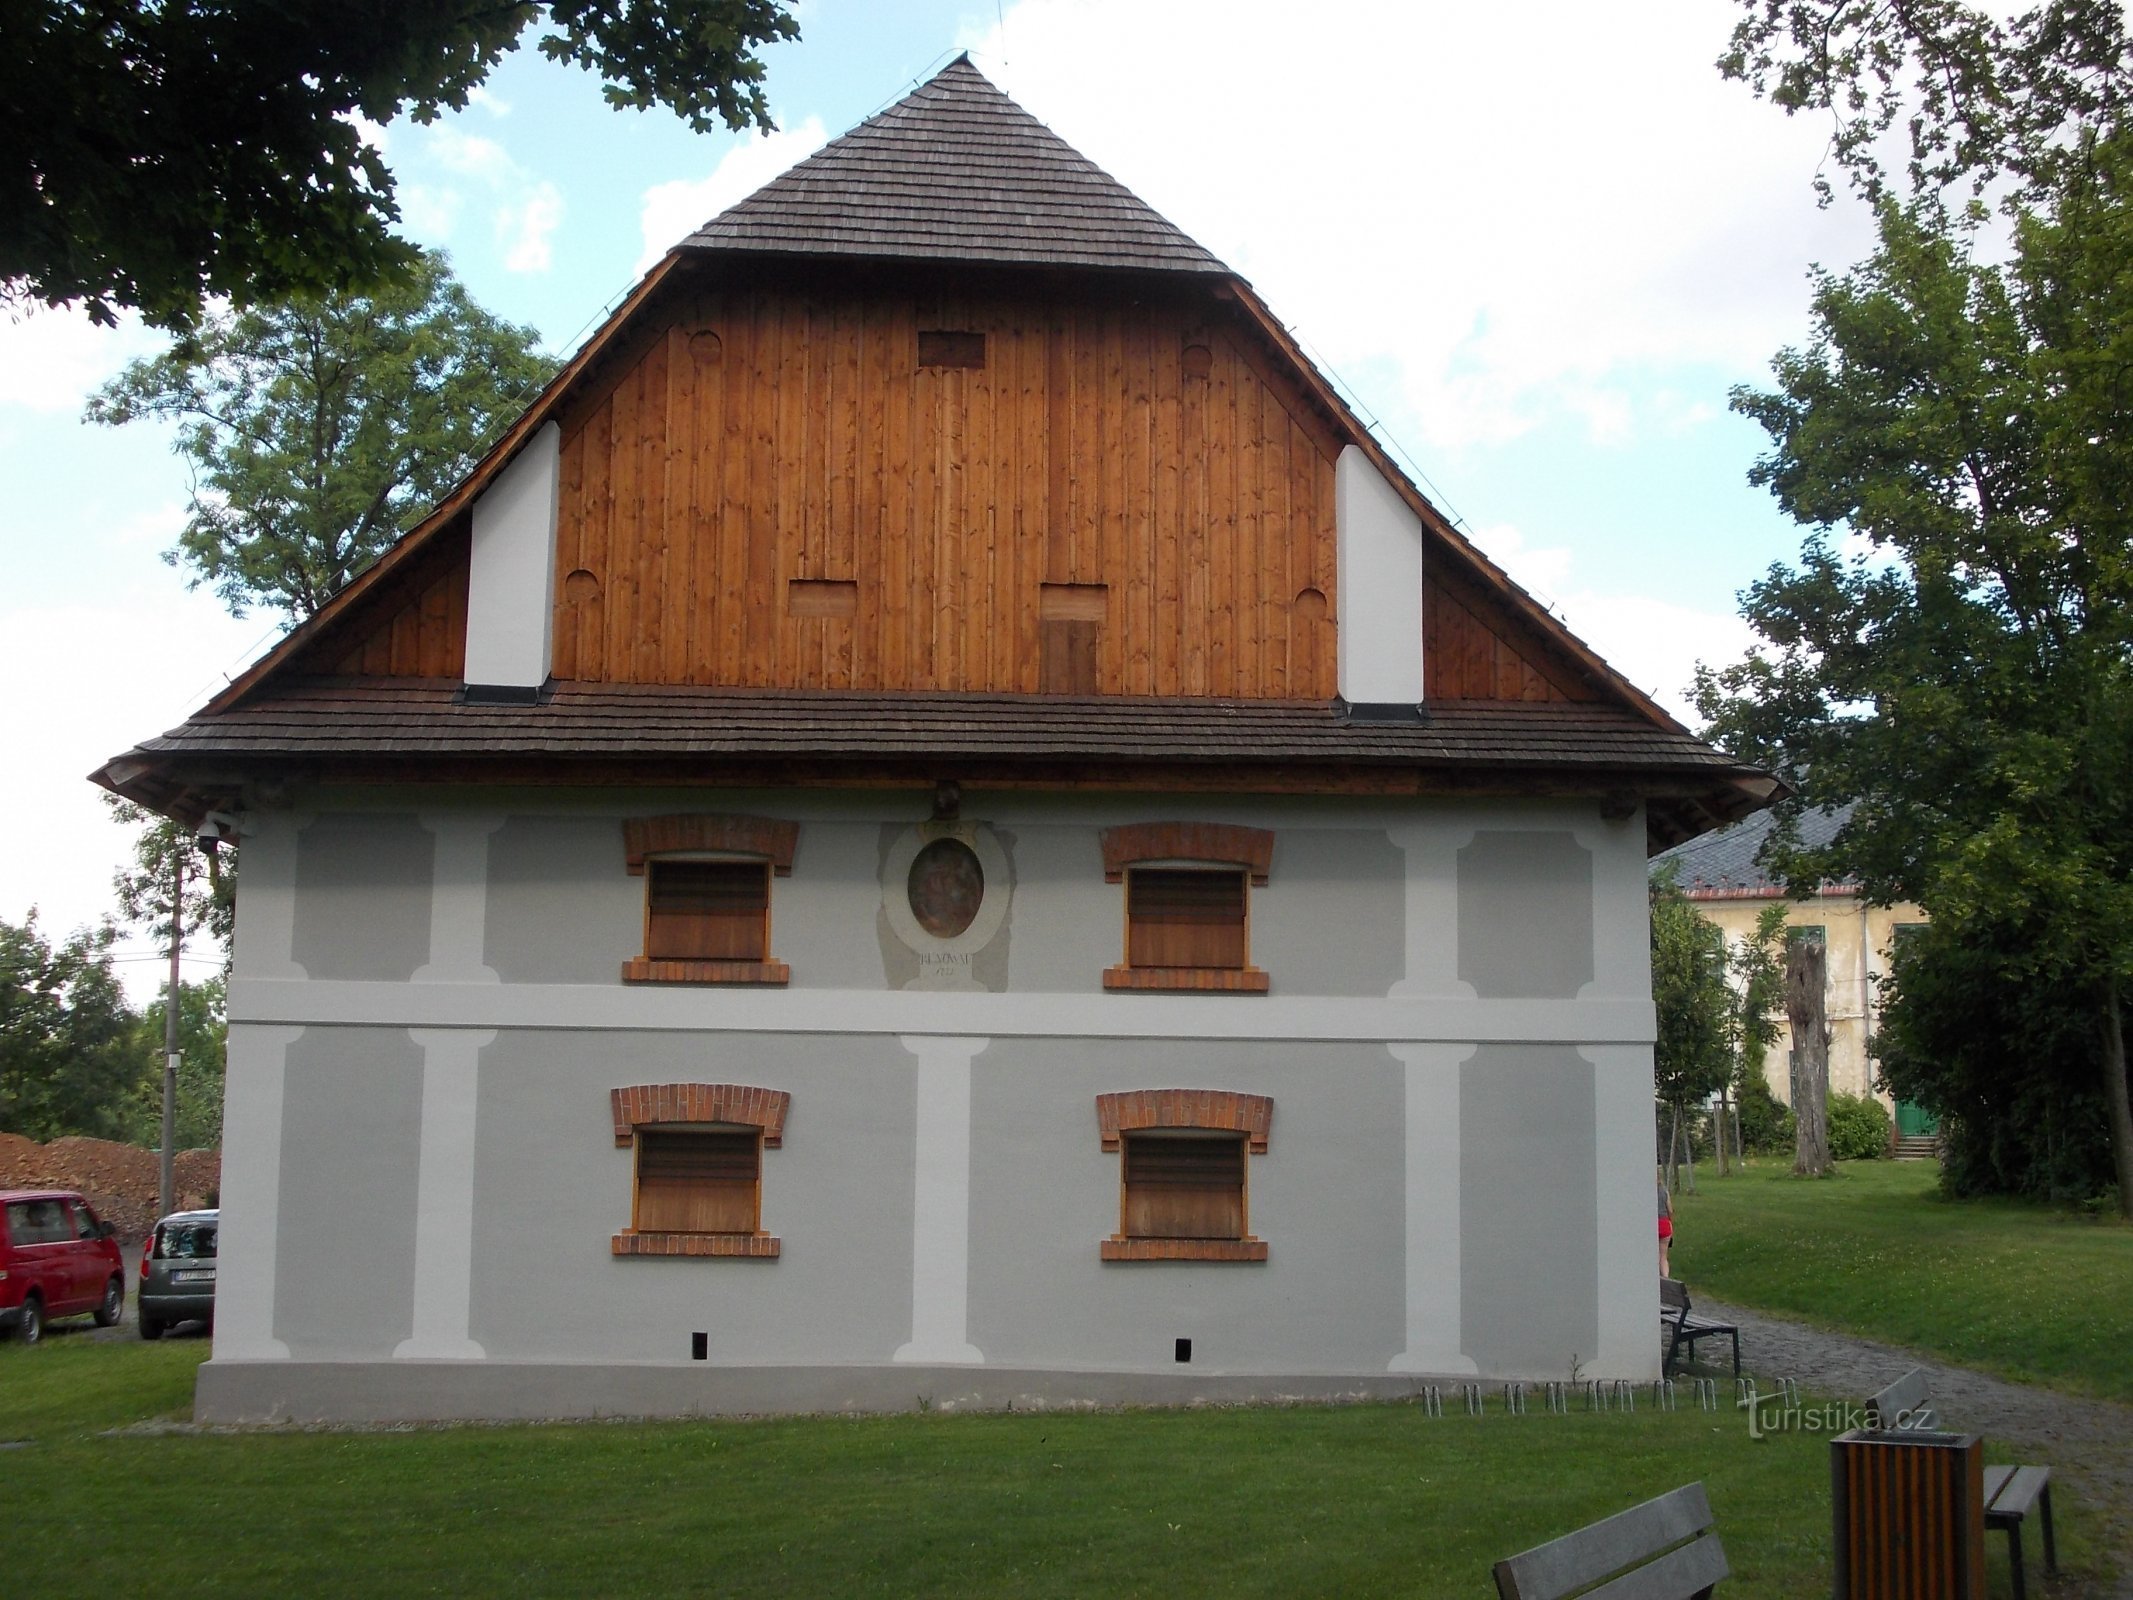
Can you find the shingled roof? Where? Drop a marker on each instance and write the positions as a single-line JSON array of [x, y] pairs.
[[955, 171]]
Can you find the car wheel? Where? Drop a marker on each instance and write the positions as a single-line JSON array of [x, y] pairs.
[[114, 1305], [151, 1327], [32, 1324]]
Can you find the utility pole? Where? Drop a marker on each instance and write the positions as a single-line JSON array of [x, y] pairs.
[[167, 1175]]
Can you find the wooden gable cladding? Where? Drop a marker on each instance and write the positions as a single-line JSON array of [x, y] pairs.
[[414, 625], [762, 451], [1475, 648]]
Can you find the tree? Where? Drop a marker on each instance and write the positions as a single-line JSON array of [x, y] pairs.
[[143, 889], [1806, 978], [1962, 666], [203, 1033], [320, 429], [72, 1057], [1693, 1055], [1978, 98], [160, 153], [1758, 981]]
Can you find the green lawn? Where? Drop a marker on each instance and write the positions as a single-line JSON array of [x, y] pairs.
[[1361, 1500], [2019, 1290]]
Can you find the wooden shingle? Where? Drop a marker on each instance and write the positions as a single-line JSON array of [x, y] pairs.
[[955, 171]]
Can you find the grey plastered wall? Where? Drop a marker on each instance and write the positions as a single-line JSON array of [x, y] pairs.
[[1528, 1192], [363, 896], [1326, 1197], [553, 1189], [344, 1259]]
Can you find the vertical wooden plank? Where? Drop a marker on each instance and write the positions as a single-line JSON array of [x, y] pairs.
[[843, 445], [599, 512], [766, 529], [1033, 336], [1059, 448], [736, 455], [569, 536], [677, 526], [868, 527], [900, 577], [1138, 616], [1229, 577], [433, 646], [1274, 545], [623, 578], [705, 480], [1195, 553], [1318, 538], [652, 605], [793, 554], [1092, 441], [1170, 552]]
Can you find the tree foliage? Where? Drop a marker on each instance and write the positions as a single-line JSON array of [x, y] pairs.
[[320, 429], [1954, 650], [144, 888], [72, 1054], [160, 153], [1976, 97], [203, 1034], [2005, 1059]]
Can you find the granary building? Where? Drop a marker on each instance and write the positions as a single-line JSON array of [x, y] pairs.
[[936, 821]]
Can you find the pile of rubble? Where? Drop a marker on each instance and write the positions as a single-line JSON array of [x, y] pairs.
[[120, 1180]]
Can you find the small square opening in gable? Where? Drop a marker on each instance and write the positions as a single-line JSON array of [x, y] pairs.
[[951, 348]]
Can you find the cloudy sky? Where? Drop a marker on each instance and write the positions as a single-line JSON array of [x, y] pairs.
[[1537, 244]]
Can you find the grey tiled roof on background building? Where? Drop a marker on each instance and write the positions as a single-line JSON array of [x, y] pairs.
[[1725, 862], [955, 171]]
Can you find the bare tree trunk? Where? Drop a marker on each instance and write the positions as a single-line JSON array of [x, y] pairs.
[[2115, 1095], [1673, 1146], [1805, 980], [1718, 1144]]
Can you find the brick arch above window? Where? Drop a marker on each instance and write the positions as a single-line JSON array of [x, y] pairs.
[[1220, 1109], [1227, 843], [642, 1105], [768, 837]]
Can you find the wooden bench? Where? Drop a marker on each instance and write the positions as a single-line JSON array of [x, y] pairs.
[[2011, 1493], [1683, 1330], [1661, 1550]]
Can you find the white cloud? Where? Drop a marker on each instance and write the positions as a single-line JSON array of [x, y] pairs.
[[524, 210], [50, 360], [1655, 644], [472, 156], [430, 212], [527, 228], [1526, 205], [490, 102], [673, 211]]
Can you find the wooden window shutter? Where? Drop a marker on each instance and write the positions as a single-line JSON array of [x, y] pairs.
[[708, 911], [1066, 657], [1185, 917], [698, 1180], [1184, 1185]]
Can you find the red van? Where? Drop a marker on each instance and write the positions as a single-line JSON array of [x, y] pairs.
[[57, 1259]]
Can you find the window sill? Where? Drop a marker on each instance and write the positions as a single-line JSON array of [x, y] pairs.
[[744, 1246], [1183, 1250], [642, 969], [1193, 980]]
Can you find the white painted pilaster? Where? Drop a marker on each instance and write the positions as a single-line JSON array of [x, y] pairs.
[[511, 573], [459, 897], [1625, 1209], [1433, 1250], [1379, 544], [1432, 894], [444, 1196], [252, 1092], [940, 1215]]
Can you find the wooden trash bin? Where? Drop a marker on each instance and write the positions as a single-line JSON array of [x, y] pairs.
[[1909, 1511]]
